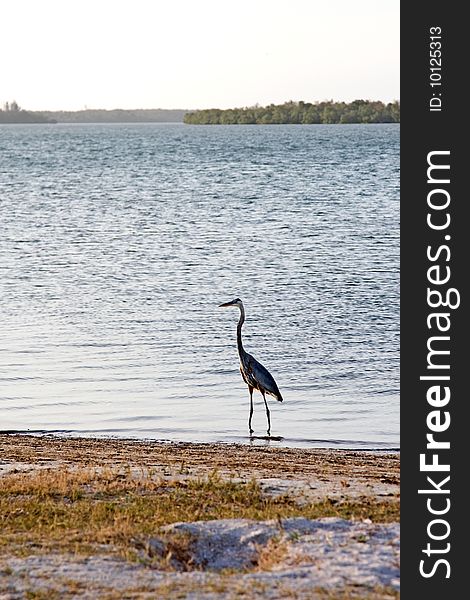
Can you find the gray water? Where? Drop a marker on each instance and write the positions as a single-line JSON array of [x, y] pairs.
[[118, 242]]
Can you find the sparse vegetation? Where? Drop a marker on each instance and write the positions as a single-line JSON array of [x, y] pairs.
[[220, 585], [77, 509]]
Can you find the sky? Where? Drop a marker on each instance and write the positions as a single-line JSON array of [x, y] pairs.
[[73, 54]]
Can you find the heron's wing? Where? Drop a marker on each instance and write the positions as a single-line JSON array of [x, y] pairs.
[[262, 377]]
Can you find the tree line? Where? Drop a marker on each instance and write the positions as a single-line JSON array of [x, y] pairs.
[[358, 111], [13, 113], [118, 115]]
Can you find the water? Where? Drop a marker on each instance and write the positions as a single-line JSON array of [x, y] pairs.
[[118, 242]]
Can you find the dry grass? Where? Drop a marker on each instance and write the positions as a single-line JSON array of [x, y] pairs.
[[271, 554], [78, 509], [240, 459]]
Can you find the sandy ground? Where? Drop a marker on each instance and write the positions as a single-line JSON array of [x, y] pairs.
[[319, 558], [317, 473]]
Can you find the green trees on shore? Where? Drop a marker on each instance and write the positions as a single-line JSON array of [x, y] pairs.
[[359, 111]]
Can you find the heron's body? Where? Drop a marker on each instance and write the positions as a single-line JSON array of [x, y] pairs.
[[253, 373], [258, 377]]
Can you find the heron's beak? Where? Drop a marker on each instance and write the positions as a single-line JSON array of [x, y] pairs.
[[225, 304]]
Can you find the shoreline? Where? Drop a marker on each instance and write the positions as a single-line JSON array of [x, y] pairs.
[[108, 518], [253, 441], [368, 471]]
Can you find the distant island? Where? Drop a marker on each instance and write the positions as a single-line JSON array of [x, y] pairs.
[[358, 111], [12, 113], [117, 115]]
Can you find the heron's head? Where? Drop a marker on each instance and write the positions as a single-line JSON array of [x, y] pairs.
[[236, 302]]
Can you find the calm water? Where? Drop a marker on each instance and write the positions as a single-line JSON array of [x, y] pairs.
[[119, 241]]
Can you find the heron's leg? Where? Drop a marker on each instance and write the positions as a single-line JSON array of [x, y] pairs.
[[251, 408], [267, 414]]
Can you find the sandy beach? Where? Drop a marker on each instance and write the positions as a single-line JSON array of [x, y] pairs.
[[109, 518]]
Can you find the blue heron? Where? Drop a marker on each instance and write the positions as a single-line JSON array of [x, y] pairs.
[[254, 374]]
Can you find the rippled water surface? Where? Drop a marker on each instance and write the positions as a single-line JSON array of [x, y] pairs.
[[118, 242]]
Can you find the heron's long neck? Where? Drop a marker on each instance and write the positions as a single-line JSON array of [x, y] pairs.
[[241, 351]]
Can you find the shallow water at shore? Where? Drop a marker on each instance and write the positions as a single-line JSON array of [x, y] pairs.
[[119, 242]]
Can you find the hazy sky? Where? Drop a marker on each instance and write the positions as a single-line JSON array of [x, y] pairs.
[[196, 53]]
